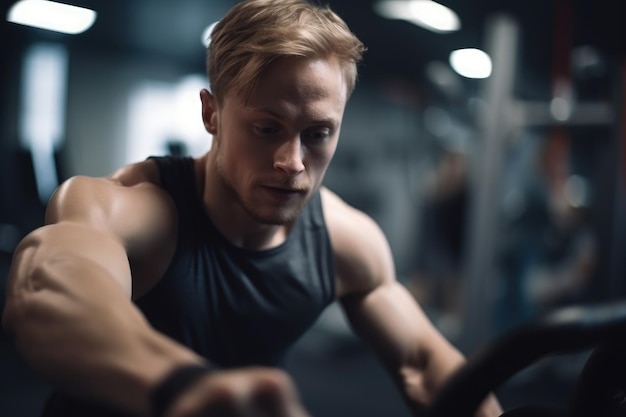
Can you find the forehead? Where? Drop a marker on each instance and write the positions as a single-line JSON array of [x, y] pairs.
[[300, 85]]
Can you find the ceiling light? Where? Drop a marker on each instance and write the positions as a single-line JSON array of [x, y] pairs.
[[425, 13], [50, 15], [393, 9], [471, 63]]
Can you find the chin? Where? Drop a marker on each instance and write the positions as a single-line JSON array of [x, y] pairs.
[[276, 217], [275, 214], [270, 212]]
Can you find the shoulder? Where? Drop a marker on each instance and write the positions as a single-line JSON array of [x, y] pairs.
[[362, 253], [128, 204]]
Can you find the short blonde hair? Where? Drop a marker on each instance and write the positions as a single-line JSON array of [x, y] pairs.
[[254, 33]]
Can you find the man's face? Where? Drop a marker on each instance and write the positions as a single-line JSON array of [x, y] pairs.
[[274, 149]]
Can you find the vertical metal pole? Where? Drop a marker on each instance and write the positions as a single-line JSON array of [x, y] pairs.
[[494, 126], [617, 265]]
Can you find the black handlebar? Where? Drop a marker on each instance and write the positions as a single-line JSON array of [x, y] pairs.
[[563, 331]]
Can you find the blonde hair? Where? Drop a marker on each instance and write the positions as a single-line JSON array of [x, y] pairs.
[[254, 33]]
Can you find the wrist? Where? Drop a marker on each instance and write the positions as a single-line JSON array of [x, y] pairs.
[[165, 393]]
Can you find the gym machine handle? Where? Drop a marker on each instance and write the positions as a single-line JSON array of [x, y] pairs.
[[563, 331]]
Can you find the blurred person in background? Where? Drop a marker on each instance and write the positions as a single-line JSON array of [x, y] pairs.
[[549, 252], [175, 286], [564, 266]]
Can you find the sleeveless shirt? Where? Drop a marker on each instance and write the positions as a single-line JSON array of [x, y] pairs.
[[235, 307]]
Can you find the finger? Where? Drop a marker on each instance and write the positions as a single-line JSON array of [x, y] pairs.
[[256, 392], [213, 397], [274, 395]]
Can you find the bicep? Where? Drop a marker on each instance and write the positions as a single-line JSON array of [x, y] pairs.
[[57, 270], [63, 242], [113, 224], [380, 309], [392, 323]]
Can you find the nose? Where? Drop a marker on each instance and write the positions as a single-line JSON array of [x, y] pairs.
[[288, 157]]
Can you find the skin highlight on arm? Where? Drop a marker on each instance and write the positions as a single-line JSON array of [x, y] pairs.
[[68, 303], [384, 314]]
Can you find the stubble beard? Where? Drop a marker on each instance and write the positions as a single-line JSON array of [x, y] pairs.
[[276, 217]]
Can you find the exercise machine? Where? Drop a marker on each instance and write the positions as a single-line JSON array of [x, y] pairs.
[[600, 390]]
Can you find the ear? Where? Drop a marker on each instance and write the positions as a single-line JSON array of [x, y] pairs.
[[209, 111]]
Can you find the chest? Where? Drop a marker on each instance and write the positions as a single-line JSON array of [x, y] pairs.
[[239, 308]]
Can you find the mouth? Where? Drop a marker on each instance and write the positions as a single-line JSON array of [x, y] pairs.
[[283, 193]]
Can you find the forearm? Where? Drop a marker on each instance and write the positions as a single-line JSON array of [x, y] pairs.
[[76, 326], [418, 357]]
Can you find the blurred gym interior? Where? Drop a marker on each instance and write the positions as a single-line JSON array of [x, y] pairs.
[[502, 195]]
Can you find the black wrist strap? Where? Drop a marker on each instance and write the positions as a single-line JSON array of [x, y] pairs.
[[173, 385]]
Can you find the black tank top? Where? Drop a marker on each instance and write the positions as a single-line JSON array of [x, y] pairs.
[[238, 307], [235, 307]]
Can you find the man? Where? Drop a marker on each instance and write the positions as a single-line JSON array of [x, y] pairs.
[[175, 286]]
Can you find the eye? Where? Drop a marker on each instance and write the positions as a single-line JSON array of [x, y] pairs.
[[265, 130], [316, 135]]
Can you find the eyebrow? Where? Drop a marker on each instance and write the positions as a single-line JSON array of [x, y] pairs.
[[279, 115]]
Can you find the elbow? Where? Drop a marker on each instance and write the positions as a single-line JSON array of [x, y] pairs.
[[27, 322], [19, 283], [24, 323], [29, 305], [17, 317], [17, 305]]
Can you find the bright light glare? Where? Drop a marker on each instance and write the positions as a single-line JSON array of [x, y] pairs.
[[187, 109], [149, 120], [43, 111], [393, 9], [471, 63], [50, 15], [434, 16], [425, 13], [164, 113], [206, 34]]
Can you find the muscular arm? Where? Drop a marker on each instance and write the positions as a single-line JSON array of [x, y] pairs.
[[384, 314], [419, 359], [68, 300]]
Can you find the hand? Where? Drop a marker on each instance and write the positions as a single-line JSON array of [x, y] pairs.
[[249, 392]]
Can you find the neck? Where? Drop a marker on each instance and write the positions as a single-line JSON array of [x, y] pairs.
[[227, 214]]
